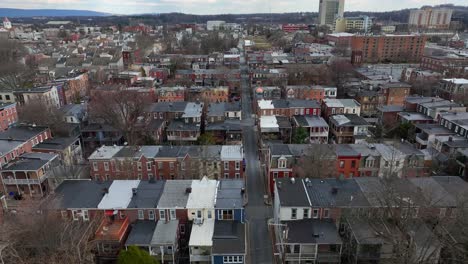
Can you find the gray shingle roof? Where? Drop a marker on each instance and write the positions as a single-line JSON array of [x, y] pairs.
[[228, 238], [141, 233], [174, 194], [79, 194], [147, 194]]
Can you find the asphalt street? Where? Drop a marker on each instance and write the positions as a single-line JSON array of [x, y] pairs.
[[258, 213]]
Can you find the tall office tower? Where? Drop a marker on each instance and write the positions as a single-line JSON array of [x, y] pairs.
[[329, 11]]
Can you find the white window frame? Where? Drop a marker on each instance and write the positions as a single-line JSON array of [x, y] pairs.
[[106, 166], [151, 214], [172, 214], [238, 165], [139, 166], [162, 214], [293, 213], [282, 163], [141, 214], [148, 166], [95, 166], [226, 165]]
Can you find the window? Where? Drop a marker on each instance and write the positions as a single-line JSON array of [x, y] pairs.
[[286, 174], [341, 164], [210, 214], [237, 175], [353, 164], [442, 212], [162, 214], [387, 164], [172, 214], [151, 214], [199, 214], [148, 166], [106, 166], [233, 259], [182, 165], [282, 163], [122, 214], [237, 165], [305, 213], [95, 166], [182, 229], [293, 213], [226, 175], [139, 176], [225, 215], [75, 215], [160, 165], [141, 215], [326, 213], [171, 165], [226, 165]]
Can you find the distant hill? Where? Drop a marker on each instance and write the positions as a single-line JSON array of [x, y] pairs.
[[12, 12]]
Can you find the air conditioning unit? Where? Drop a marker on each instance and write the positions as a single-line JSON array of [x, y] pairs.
[[198, 221]]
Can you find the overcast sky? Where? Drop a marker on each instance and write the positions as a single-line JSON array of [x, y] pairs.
[[216, 6]]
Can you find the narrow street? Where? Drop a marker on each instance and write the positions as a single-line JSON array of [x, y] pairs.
[[260, 247]]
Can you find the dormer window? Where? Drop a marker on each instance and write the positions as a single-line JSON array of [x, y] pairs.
[[282, 163]]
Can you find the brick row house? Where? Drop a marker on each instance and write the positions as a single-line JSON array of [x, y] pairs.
[[342, 161], [341, 217], [159, 216], [167, 162]]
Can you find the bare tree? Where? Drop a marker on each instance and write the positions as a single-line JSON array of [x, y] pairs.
[[317, 161], [122, 109], [34, 238], [13, 73], [39, 113]]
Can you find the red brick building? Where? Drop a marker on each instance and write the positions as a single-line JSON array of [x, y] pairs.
[[387, 48], [8, 115]]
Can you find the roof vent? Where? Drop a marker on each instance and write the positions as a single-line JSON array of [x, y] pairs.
[[188, 190], [105, 190], [293, 180], [134, 191]]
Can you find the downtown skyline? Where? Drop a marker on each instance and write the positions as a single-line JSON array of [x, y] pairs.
[[207, 7]]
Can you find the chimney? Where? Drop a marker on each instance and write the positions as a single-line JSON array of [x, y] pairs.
[[105, 191], [134, 191], [188, 190]]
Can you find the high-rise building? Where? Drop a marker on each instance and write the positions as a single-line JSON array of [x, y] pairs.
[[329, 11], [430, 18]]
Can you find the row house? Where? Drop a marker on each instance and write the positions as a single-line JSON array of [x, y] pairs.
[[437, 106], [21, 139], [388, 115], [369, 100], [74, 87], [345, 204], [317, 128], [275, 128], [452, 65], [288, 108], [304, 92], [171, 94], [48, 95], [453, 89], [208, 77], [394, 93], [209, 94], [167, 162], [269, 77], [348, 128], [223, 120], [68, 149], [8, 115], [27, 175], [188, 127], [268, 93], [340, 106]]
